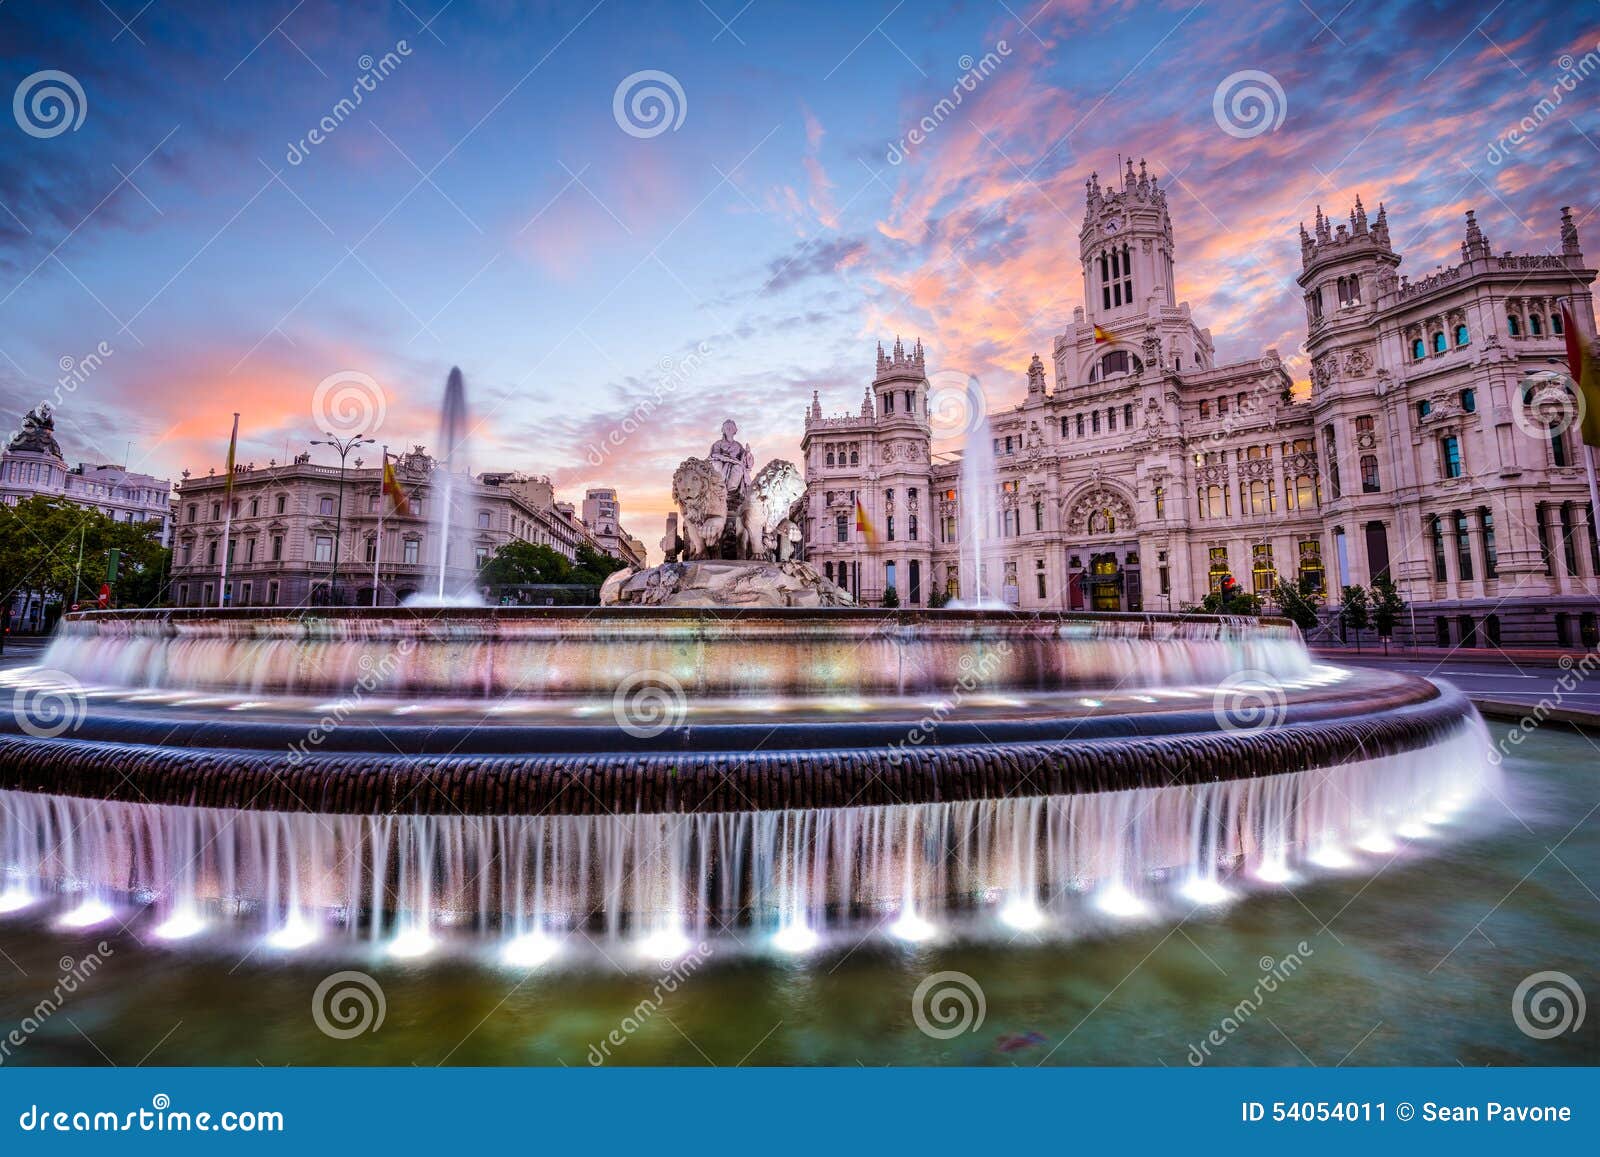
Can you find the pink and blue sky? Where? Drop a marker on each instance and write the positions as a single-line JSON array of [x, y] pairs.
[[483, 207]]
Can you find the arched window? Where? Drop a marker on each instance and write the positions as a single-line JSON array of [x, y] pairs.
[[1369, 474], [829, 458], [1462, 336], [1514, 325], [1418, 350], [1469, 400], [1259, 497], [1161, 502], [1063, 427], [841, 528], [1556, 325], [1535, 327], [1305, 496], [1094, 422], [1214, 502], [855, 456], [1439, 345]]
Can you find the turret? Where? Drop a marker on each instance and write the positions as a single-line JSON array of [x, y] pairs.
[[1476, 246], [1569, 234], [1126, 248], [900, 387]]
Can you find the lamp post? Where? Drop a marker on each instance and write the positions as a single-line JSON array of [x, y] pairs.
[[341, 446]]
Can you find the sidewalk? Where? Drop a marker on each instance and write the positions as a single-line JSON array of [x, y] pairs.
[[1545, 656], [1506, 711]]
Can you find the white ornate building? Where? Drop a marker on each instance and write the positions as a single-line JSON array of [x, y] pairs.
[[1149, 472]]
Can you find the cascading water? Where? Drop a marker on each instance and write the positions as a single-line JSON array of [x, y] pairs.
[[981, 582], [451, 521], [640, 884]]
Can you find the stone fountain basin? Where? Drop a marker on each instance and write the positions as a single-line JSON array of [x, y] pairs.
[[1164, 711], [545, 653]]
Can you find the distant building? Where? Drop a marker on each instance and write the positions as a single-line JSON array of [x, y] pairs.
[[602, 514], [32, 466], [288, 529], [1150, 474]]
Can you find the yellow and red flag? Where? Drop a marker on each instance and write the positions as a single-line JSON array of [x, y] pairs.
[[391, 488], [864, 525], [1102, 336], [1585, 370], [233, 452]]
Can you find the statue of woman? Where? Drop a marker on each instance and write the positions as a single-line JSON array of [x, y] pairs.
[[733, 458]]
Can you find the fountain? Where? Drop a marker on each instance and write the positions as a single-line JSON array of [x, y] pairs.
[[727, 750], [451, 521], [979, 510]]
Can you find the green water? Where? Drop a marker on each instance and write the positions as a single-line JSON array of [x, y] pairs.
[[1416, 964]]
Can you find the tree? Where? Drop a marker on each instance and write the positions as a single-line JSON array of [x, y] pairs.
[[61, 550], [1230, 599], [592, 566], [936, 599], [1297, 603], [1387, 607], [891, 597], [517, 563], [1355, 612], [521, 563]]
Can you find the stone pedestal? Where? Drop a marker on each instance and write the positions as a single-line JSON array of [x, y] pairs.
[[723, 583]]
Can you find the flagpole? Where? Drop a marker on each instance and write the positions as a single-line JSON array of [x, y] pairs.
[[227, 522], [377, 546]]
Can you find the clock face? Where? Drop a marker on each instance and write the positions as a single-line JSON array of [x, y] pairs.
[[1113, 224]]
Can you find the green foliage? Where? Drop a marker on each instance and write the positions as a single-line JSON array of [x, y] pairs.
[[1297, 603], [891, 597], [527, 562], [1387, 606], [1355, 611], [1231, 600], [937, 599], [592, 567], [40, 542]]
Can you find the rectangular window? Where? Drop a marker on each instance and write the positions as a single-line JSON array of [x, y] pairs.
[[325, 505], [277, 548], [1436, 533], [1491, 557], [1450, 456], [1463, 547], [412, 551], [283, 502]]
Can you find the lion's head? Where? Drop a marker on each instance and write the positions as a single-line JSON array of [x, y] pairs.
[[779, 485], [698, 490]]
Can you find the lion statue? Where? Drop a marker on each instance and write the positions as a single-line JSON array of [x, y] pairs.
[[767, 500], [698, 489]]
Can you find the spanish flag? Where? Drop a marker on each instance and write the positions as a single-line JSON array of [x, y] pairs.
[[1585, 370], [864, 525], [233, 452], [1103, 335], [391, 488]]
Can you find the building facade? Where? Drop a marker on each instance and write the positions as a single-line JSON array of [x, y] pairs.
[[302, 534], [32, 465], [1427, 447], [602, 514]]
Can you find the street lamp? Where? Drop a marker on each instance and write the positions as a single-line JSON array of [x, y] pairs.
[[341, 446]]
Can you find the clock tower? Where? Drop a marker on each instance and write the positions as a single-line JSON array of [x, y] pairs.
[[1131, 318]]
